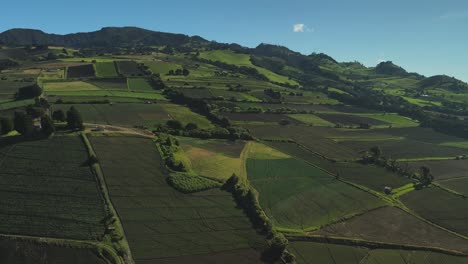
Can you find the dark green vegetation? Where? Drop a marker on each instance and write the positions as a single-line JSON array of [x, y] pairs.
[[313, 252], [48, 190], [167, 226], [254, 144], [440, 207], [23, 251]]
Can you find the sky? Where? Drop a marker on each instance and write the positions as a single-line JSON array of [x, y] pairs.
[[429, 37]]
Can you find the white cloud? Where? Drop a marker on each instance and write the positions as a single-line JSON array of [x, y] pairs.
[[299, 28]]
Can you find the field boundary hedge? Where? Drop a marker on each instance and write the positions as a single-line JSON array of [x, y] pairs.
[[371, 244], [121, 245]]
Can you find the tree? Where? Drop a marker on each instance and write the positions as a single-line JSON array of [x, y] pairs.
[[23, 123], [47, 125], [231, 183], [74, 119], [59, 115], [185, 72], [6, 125], [376, 153], [425, 176], [28, 92], [174, 124], [191, 126]]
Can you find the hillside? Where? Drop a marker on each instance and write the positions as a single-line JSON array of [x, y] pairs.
[[126, 146]]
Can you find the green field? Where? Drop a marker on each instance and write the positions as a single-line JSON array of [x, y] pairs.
[[161, 223], [162, 67], [440, 207], [369, 176], [75, 86], [108, 93], [297, 195], [204, 157], [393, 225], [139, 84], [41, 198], [239, 59], [18, 251], [105, 69], [311, 119], [313, 252]]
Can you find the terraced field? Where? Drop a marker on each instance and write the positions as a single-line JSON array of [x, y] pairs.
[[47, 191], [163, 225]]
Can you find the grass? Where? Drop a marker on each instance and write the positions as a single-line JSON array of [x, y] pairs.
[[239, 59], [109, 93], [394, 119], [110, 83], [440, 207], [162, 223], [184, 115], [395, 226], [191, 183], [105, 69], [39, 198], [311, 119], [16, 104], [296, 195], [205, 157], [69, 86], [139, 84], [162, 67]]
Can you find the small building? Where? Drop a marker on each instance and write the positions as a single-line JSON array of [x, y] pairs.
[[387, 190], [37, 124]]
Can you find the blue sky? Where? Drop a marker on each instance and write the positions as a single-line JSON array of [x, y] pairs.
[[429, 37]]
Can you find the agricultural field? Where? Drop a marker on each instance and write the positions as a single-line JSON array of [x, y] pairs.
[[8, 88], [440, 207], [47, 191], [310, 137], [351, 120], [308, 252], [296, 195], [249, 118], [108, 93], [230, 57], [369, 176], [164, 225], [110, 83], [73, 86], [459, 185], [22, 251], [311, 119], [139, 84], [205, 156], [128, 68], [161, 67], [105, 69], [81, 71], [393, 225], [442, 169]]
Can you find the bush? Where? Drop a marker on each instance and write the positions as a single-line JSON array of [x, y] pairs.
[[6, 125], [189, 183]]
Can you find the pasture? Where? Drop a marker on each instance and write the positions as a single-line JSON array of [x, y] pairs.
[[105, 69], [46, 190], [164, 225], [110, 83], [369, 176], [296, 195], [72, 86], [205, 157], [139, 84]]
